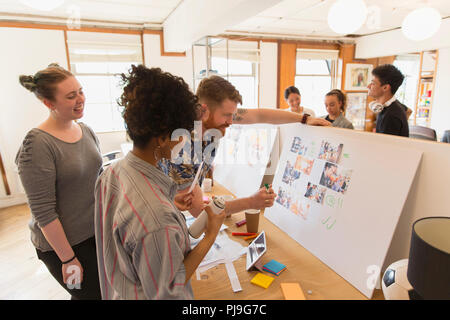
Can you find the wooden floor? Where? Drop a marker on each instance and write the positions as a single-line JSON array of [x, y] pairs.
[[22, 275]]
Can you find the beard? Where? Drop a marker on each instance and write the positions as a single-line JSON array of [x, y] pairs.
[[211, 124]]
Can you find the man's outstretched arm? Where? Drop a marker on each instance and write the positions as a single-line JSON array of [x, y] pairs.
[[273, 116]]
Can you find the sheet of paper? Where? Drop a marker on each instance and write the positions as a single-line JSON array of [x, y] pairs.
[[234, 280], [196, 177]]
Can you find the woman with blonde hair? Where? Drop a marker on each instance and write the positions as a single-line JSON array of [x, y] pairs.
[[59, 162]]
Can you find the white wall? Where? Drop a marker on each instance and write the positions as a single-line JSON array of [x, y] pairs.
[[440, 114], [24, 51], [193, 20], [393, 42], [268, 74], [111, 141], [179, 66]]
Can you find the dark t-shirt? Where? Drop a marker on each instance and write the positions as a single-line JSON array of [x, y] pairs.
[[328, 119], [392, 120]]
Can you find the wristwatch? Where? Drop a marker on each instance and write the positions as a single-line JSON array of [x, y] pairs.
[[304, 118]]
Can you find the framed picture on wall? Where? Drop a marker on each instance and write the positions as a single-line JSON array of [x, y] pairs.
[[357, 76], [356, 109]]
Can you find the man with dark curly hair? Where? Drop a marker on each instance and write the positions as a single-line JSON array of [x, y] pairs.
[[219, 100], [143, 246]]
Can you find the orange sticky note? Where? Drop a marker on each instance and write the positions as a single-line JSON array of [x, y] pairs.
[[292, 291]]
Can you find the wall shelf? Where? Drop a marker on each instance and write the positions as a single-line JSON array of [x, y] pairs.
[[425, 87]]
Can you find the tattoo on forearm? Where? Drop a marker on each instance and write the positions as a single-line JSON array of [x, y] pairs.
[[238, 116]]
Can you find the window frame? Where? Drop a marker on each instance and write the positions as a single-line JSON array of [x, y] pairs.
[[332, 67], [128, 46]]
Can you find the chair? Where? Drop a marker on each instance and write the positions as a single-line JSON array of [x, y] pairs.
[[420, 132], [110, 157], [446, 136]]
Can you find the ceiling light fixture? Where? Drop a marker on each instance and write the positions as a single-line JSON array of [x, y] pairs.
[[347, 16], [421, 23], [43, 5]]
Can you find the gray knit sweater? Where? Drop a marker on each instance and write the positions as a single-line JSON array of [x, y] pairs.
[[59, 180]]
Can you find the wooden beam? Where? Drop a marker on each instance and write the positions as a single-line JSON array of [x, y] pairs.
[[169, 54], [29, 25], [418, 87], [142, 48], [287, 61], [66, 45], [8, 24], [5, 180]]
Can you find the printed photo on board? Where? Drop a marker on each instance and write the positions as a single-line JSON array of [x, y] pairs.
[[283, 198], [296, 143], [290, 174], [329, 152], [298, 146], [335, 178], [304, 165], [316, 193]]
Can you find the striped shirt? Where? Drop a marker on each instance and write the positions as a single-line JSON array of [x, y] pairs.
[[142, 238]]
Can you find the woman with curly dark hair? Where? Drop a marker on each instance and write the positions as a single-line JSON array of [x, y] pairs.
[[142, 238]]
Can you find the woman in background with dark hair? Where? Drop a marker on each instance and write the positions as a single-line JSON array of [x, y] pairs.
[[335, 101], [142, 237], [59, 162], [293, 98]]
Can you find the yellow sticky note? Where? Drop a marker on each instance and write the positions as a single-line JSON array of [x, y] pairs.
[[292, 291], [262, 280]]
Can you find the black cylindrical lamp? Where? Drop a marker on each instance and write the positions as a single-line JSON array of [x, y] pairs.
[[429, 258]]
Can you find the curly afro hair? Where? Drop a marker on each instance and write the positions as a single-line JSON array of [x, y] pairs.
[[155, 103]]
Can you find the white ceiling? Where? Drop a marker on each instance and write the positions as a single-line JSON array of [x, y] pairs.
[[309, 17], [128, 11], [289, 17]]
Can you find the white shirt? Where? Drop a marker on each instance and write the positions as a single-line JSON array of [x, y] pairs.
[[310, 112], [389, 102]]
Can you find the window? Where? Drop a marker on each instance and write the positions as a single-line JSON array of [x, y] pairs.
[[97, 60], [315, 76], [406, 94], [237, 61]]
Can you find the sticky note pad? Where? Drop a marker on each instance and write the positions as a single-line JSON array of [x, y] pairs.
[[274, 267], [292, 291], [262, 280]]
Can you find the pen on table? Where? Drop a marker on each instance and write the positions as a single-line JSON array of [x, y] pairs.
[[243, 233], [251, 237]]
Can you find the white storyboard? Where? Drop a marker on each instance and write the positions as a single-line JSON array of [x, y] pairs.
[[341, 198]]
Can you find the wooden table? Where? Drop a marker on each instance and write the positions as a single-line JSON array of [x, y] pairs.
[[302, 267]]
